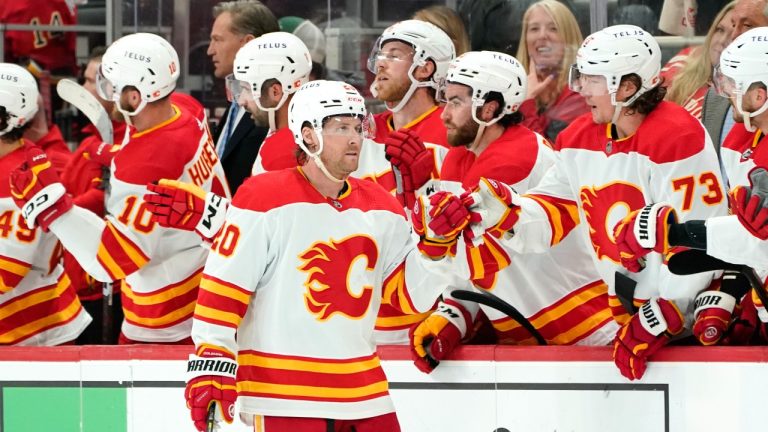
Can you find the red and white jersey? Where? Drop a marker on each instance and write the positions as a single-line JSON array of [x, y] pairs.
[[559, 290], [54, 51], [428, 126], [392, 326], [277, 152], [38, 305], [727, 239], [161, 267], [298, 260], [741, 152], [598, 180]]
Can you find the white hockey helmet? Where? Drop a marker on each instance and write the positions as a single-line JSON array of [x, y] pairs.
[[315, 102], [142, 60], [743, 63], [18, 95], [489, 71], [614, 52], [278, 55], [428, 42]]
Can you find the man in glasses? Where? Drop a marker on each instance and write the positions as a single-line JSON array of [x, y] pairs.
[[161, 267], [237, 137]]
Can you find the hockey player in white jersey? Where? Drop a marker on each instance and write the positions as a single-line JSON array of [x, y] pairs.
[[567, 305], [40, 305], [321, 252], [268, 71], [161, 268], [611, 163], [737, 239]]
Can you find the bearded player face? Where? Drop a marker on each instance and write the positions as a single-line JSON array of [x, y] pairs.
[[392, 65], [461, 129]]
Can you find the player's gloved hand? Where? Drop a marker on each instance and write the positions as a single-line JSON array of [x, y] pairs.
[[644, 231], [647, 331], [405, 150], [211, 379], [184, 206], [100, 152], [430, 244], [746, 328], [494, 209], [750, 203], [437, 336], [712, 316], [37, 190], [449, 215]]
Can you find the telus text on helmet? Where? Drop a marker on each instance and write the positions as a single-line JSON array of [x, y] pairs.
[[7, 77], [272, 45], [628, 33], [505, 58], [136, 56]]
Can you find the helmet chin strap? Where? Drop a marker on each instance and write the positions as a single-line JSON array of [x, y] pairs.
[[271, 111], [619, 105], [483, 124], [414, 85], [746, 115], [316, 156]]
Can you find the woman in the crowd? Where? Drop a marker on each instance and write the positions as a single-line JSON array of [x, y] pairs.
[[691, 78], [547, 50]]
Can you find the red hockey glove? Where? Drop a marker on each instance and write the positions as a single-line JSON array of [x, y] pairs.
[[184, 206], [433, 339], [100, 152], [746, 328], [712, 316], [431, 244], [750, 204], [405, 149], [37, 190], [642, 232], [211, 379], [494, 209], [647, 331], [448, 213]]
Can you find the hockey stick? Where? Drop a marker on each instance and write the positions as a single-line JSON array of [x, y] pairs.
[[211, 425], [491, 300], [697, 261], [625, 291], [87, 104]]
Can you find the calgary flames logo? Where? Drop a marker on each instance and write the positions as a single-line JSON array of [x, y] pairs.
[[604, 207], [336, 281]]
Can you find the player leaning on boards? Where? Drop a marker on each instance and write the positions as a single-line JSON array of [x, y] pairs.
[[633, 149], [568, 302], [741, 77], [321, 255], [161, 267], [39, 303]]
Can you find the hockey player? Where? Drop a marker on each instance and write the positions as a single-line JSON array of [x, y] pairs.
[[611, 164], [410, 60], [40, 307], [268, 71], [483, 92], [161, 268], [322, 253], [740, 78]]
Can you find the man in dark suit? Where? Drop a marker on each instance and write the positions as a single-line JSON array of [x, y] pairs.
[[237, 137]]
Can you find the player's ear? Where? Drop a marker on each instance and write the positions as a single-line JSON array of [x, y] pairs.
[[627, 89], [488, 110], [423, 73], [308, 135]]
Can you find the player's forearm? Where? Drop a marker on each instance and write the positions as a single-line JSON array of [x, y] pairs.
[[426, 279], [80, 231]]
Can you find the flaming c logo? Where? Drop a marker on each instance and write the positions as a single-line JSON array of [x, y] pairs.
[[335, 281], [604, 207]]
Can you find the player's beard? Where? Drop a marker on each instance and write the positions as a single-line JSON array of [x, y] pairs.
[[392, 90], [463, 135]]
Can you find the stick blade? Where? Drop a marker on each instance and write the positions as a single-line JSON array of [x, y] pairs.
[[87, 103]]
